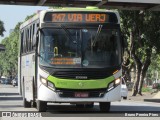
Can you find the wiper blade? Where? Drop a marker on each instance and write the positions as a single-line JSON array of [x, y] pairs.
[[97, 35], [67, 33]]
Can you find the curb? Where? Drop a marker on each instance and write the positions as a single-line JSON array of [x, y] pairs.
[[152, 100]]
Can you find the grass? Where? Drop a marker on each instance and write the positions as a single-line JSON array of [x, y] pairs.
[[146, 89]]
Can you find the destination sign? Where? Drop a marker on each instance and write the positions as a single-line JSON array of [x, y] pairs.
[[66, 61], [77, 17]]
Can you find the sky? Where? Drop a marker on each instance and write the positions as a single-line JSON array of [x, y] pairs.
[[11, 15]]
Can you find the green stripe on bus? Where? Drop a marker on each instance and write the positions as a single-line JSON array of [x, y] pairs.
[[80, 84]]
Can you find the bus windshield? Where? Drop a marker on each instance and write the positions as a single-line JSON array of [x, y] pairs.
[[89, 47]]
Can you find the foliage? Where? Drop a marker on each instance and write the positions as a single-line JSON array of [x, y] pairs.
[[154, 68], [28, 17], [9, 58], [141, 31]]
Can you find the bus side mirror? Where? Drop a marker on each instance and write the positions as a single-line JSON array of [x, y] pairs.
[[2, 47]]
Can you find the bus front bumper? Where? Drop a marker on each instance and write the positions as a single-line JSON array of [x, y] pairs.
[[48, 95]]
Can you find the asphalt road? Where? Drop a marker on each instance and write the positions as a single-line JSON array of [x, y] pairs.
[[10, 100]]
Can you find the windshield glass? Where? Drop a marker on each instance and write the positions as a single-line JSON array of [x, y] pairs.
[[90, 47]]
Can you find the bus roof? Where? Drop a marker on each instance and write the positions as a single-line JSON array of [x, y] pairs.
[[68, 9], [89, 8]]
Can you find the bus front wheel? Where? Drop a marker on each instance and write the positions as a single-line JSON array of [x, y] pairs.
[[41, 106], [104, 106], [26, 104]]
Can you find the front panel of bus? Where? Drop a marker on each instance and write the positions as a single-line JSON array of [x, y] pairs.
[[79, 57]]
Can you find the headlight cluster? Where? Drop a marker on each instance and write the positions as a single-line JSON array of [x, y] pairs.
[[47, 83], [113, 84]]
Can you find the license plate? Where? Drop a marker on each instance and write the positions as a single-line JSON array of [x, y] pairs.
[[81, 94]]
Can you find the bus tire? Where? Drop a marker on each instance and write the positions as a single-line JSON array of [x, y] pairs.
[[125, 98], [104, 106], [26, 104], [34, 104], [91, 105], [41, 106]]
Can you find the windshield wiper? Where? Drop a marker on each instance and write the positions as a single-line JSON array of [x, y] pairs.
[[68, 34], [97, 35]]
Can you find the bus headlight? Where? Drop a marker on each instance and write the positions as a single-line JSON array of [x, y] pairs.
[[117, 81], [47, 83], [44, 81], [113, 84]]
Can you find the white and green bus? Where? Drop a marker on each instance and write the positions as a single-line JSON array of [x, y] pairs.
[[71, 55]]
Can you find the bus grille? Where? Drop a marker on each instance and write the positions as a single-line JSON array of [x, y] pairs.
[[83, 75], [91, 94]]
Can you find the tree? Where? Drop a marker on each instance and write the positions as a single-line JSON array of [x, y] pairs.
[[154, 69], [141, 29], [2, 29], [9, 58]]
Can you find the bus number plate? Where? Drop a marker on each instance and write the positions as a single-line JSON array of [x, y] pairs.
[[81, 94]]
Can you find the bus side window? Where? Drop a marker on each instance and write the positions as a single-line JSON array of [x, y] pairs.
[[26, 40], [32, 35], [22, 42], [30, 30]]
